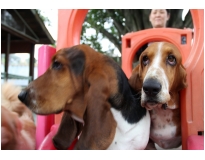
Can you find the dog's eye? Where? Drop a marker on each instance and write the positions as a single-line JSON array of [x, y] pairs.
[[145, 60], [57, 65], [171, 60]]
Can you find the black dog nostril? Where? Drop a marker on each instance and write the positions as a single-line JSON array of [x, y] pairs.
[[22, 96], [151, 87]]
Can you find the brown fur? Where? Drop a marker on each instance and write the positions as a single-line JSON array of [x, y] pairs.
[[82, 93], [177, 81]]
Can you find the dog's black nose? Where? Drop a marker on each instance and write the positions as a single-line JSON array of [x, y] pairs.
[[151, 87], [22, 96]]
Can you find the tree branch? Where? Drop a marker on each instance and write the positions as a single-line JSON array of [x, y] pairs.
[[116, 22], [112, 38]]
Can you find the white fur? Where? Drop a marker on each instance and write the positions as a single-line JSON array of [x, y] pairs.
[[163, 130], [130, 136]]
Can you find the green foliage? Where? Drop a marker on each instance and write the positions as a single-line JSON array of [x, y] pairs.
[[45, 19], [112, 24]]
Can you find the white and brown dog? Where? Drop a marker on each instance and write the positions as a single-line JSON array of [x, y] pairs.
[[160, 76], [18, 128]]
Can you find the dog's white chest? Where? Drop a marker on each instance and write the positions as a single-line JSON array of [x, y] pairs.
[[163, 130], [162, 123], [130, 136]]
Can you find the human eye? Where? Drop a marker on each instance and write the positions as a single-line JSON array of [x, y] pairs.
[[162, 11]]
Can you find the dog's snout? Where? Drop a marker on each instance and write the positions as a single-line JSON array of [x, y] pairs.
[[151, 87], [22, 96]]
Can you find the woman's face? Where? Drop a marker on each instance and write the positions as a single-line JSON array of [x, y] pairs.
[[158, 18]]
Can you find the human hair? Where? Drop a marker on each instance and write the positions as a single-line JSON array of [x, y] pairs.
[[168, 11]]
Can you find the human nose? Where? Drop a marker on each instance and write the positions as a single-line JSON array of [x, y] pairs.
[[158, 14]]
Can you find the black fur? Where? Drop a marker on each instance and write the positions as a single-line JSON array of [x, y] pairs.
[[77, 60], [127, 100]]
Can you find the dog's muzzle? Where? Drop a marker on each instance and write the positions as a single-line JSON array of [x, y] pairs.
[[150, 99], [151, 87], [22, 96]]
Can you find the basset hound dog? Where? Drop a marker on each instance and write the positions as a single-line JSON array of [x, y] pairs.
[[160, 76], [100, 107]]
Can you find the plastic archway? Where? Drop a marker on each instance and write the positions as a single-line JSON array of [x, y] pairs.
[[132, 42], [192, 99], [70, 26]]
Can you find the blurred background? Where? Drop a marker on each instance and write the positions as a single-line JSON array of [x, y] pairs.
[[23, 31]]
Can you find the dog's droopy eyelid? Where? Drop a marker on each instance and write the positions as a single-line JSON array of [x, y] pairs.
[[145, 60], [56, 65], [171, 59]]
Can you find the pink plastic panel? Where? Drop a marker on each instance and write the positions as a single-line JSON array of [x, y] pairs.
[[44, 123], [47, 143], [195, 142]]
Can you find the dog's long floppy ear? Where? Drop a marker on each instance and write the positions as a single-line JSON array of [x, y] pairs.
[[180, 80], [68, 130], [135, 80], [99, 128], [183, 77]]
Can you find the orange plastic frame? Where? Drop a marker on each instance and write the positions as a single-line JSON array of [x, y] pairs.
[[192, 99]]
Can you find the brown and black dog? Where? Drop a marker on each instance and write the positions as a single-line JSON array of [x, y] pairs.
[[160, 76], [97, 100]]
